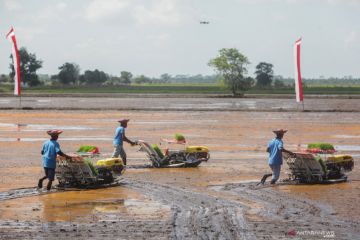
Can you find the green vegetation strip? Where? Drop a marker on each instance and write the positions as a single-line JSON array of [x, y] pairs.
[[176, 89], [206, 88]]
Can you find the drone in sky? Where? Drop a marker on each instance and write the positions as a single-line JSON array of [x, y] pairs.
[[204, 22]]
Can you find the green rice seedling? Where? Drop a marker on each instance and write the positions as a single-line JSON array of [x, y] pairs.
[[158, 150], [91, 166], [322, 164]]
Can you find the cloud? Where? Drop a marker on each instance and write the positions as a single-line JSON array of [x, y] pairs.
[[353, 3], [166, 12], [100, 9], [61, 6], [351, 38], [12, 5]]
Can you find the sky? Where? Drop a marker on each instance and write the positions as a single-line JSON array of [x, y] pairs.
[[153, 37]]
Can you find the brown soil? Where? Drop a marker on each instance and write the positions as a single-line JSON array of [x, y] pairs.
[[217, 200]]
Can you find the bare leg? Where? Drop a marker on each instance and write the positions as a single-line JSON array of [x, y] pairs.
[[48, 187], [40, 183]]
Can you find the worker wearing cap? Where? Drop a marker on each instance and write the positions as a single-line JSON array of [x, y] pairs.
[[275, 149], [50, 150], [119, 138]]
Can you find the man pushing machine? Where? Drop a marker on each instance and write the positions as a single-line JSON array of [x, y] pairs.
[[119, 138], [50, 150], [275, 149]]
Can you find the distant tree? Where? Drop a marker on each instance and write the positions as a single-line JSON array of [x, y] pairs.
[[69, 73], [279, 84], [95, 78], [264, 74], [4, 79], [125, 77], [54, 79], [231, 64], [113, 81], [28, 67], [165, 78], [142, 79]]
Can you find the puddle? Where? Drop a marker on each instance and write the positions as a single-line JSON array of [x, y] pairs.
[[85, 206], [39, 127], [347, 147], [198, 122], [346, 136]]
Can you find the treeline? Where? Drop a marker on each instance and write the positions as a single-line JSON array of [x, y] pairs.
[[321, 81], [70, 74], [230, 64]]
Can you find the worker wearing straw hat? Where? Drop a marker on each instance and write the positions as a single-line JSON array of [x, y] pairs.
[[119, 139], [275, 149], [50, 150]]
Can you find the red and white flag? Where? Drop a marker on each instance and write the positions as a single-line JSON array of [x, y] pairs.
[[11, 36], [298, 81]]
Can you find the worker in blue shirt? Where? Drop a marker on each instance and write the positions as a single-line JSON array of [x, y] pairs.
[[275, 149], [119, 138], [50, 150]]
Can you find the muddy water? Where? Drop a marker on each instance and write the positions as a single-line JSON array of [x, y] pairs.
[[237, 142], [84, 206], [190, 103], [341, 197]]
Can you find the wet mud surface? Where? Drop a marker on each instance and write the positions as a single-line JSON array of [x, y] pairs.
[[181, 104], [217, 200]]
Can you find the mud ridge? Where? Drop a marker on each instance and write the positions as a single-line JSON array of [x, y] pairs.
[[278, 213], [126, 229], [197, 215]]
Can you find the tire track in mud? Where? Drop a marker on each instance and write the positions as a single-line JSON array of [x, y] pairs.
[[280, 213], [22, 192], [197, 215], [124, 229]]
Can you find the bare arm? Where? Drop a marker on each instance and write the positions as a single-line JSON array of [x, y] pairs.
[[63, 154], [289, 152], [128, 140]]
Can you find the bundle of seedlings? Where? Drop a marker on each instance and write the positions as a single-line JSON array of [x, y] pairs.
[[179, 137], [158, 150], [322, 164], [88, 149], [320, 148], [91, 166]]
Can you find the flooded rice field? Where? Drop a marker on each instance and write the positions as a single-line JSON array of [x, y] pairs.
[[217, 200], [183, 103]]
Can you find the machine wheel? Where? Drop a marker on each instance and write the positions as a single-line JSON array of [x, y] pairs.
[[193, 164], [156, 164]]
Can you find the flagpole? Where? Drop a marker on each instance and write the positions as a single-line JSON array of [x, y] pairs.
[[20, 102], [297, 72], [303, 105], [16, 62]]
